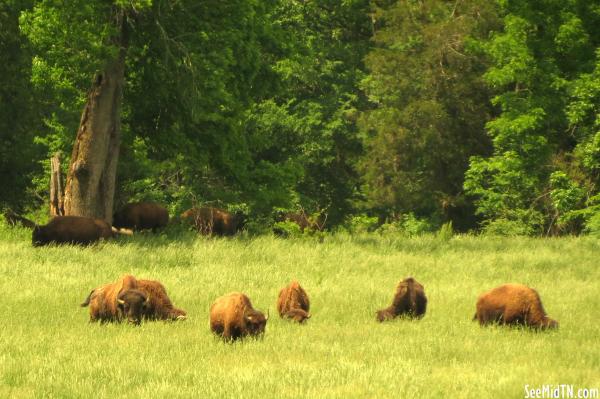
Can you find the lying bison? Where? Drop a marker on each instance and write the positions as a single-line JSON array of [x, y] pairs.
[[293, 303], [513, 304], [216, 221], [232, 316], [141, 216], [410, 300], [71, 230], [133, 300]]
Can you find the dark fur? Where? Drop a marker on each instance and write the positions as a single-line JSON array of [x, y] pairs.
[[232, 316], [141, 216], [13, 219], [71, 230], [409, 300], [293, 303], [160, 306], [216, 221], [104, 301], [513, 304]]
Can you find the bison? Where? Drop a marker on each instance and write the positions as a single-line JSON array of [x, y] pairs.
[[118, 300], [232, 316], [159, 306], [513, 304], [410, 300], [141, 216], [209, 221], [132, 299], [71, 230], [293, 303]]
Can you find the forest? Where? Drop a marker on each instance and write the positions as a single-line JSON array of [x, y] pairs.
[[476, 115]]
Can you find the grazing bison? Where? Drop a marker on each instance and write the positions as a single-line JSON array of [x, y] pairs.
[[71, 230], [409, 300], [12, 219], [132, 299], [513, 304], [141, 216], [159, 306], [116, 301], [232, 316], [293, 303], [209, 221]]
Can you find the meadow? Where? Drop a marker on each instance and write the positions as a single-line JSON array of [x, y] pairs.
[[48, 349]]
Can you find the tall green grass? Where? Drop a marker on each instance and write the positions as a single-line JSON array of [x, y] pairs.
[[48, 348]]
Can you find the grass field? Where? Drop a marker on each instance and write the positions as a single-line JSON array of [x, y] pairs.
[[48, 348]]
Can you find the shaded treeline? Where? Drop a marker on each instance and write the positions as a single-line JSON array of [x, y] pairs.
[[477, 113]]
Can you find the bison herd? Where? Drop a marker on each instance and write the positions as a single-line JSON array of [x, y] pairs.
[[137, 216], [232, 316]]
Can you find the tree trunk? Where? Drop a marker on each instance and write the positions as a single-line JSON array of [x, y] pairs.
[[92, 172], [56, 188]]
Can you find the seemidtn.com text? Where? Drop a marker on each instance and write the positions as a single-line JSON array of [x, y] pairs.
[[560, 391]]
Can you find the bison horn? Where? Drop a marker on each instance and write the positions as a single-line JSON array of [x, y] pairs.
[[268, 314], [147, 302], [120, 301]]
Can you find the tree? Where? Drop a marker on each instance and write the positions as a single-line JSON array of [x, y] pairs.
[[178, 75], [428, 107], [18, 120], [304, 132], [541, 67]]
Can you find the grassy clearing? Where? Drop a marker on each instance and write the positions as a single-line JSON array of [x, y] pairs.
[[48, 348]]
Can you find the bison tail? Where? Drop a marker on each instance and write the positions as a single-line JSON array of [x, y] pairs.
[[87, 300]]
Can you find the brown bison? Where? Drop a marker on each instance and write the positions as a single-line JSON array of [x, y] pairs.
[[13, 219], [293, 303], [209, 221], [513, 304], [232, 316], [71, 230], [118, 300], [131, 299], [410, 300], [141, 216], [159, 306]]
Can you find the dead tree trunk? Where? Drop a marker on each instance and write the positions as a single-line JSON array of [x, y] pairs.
[[56, 187], [92, 172]]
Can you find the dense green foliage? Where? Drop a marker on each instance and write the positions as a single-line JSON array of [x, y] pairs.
[[430, 107], [50, 350], [18, 122], [478, 113], [544, 168]]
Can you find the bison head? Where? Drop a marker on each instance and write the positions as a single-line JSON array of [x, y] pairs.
[[549, 323], [297, 315], [38, 237], [133, 305], [255, 322], [383, 315]]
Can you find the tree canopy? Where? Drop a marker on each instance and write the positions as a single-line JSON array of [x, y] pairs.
[[483, 114]]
